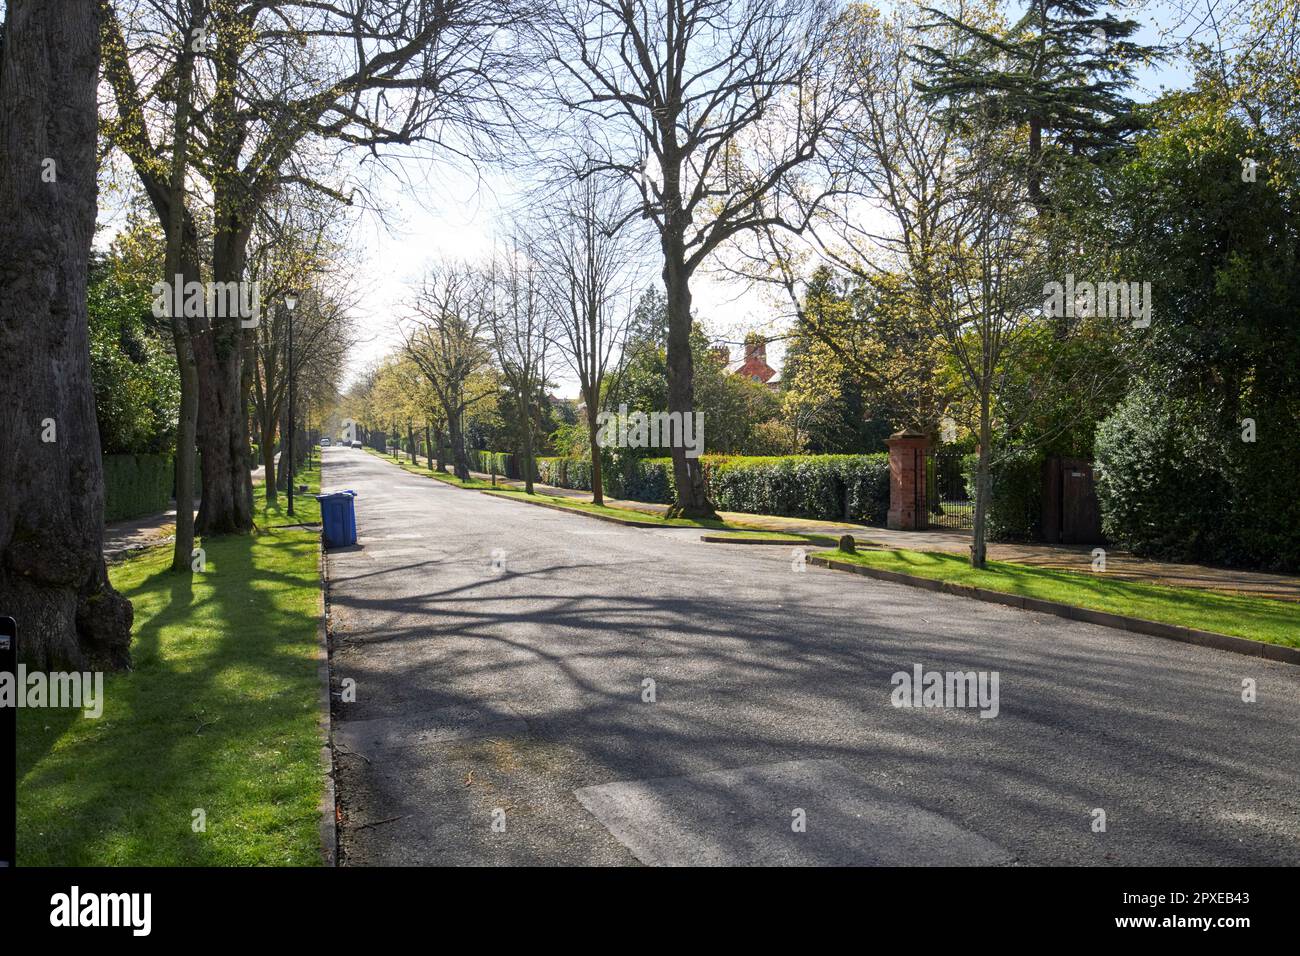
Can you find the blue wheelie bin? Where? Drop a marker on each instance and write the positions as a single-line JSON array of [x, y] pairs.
[[338, 518]]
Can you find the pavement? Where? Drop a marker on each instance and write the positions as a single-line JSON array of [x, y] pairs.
[[518, 685], [147, 531]]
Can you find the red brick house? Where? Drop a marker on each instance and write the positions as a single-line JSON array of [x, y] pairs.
[[754, 365]]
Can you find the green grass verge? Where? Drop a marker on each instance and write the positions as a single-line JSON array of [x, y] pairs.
[[822, 540], [1259, 619], [220, 715], [618, 514], [447, 477]]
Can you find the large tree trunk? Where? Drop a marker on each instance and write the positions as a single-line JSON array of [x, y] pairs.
[[442, 457], [983, 487], [692, 499], [428, 446], [186, 439], [460, 460], [227, 500], [527, 419], [597, 478], [52, 574], [182, 259]]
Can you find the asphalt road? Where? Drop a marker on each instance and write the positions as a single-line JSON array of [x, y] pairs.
[[498, 654]]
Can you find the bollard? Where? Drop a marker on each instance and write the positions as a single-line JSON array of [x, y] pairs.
[[847, 544]]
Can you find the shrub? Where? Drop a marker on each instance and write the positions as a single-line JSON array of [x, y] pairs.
[[1165, 481], [1016, 493], [489, 462]]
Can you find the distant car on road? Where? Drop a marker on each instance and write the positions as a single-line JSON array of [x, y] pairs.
[[356, 444], [324, 442]]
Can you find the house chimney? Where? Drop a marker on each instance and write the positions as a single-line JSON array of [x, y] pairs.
[[755, 349], [722, 354]]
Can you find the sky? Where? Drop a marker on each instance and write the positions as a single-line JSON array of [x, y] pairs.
[[424, 209], [453, 212]]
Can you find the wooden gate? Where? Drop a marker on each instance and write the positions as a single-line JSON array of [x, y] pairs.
[[1071, 512]]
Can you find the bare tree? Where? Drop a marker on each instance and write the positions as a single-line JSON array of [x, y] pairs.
[[992, 274], [710, 107], [447, 337], [282, 79], [293, 251], [177, 251], [590, 272], [520, 327], [52, 575], [891, 157]]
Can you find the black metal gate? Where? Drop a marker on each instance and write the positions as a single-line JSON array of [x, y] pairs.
[[948, 503]]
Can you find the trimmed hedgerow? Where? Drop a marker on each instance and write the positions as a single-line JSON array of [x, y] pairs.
[[647, 479], [565, 473], [489, 462], [136, 485], [826, 487]]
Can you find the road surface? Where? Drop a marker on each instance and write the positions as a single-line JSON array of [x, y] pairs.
[[519, 685]]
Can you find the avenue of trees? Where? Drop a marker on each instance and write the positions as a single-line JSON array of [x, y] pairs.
[[906, 183]]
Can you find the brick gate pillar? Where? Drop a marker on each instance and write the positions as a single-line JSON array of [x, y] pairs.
[[907, 450]]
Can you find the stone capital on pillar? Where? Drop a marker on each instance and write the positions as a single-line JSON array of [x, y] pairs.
[[907, 456]]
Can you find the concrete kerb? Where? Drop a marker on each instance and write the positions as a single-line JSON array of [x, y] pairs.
[[1136, 625]]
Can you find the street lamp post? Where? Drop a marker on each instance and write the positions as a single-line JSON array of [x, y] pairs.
[[290, 300]]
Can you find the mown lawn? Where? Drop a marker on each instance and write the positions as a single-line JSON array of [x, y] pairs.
[[822, 540], [405, 464], [219, 714], [1259, 619], [573, 504], [619, 514]]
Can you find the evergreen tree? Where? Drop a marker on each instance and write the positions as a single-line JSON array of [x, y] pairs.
[[1057, 75]]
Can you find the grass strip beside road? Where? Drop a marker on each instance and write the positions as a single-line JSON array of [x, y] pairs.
[[473, 484], [219, 714], [627, 515], [1257, 619], [791, 537]]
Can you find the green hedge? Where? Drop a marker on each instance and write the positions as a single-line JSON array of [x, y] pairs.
[[572, 473], [1016, 501], [646, 479], [494, 462], [136, 485], [825, 487]]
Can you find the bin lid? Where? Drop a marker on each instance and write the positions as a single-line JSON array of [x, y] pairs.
[[336, 494]]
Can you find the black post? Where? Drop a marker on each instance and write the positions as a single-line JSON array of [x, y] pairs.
[[9, 747]]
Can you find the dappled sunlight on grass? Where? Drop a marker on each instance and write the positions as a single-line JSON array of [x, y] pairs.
[[1260, 619], [219, 715]]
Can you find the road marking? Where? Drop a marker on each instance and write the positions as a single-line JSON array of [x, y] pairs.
[[744, 817]]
